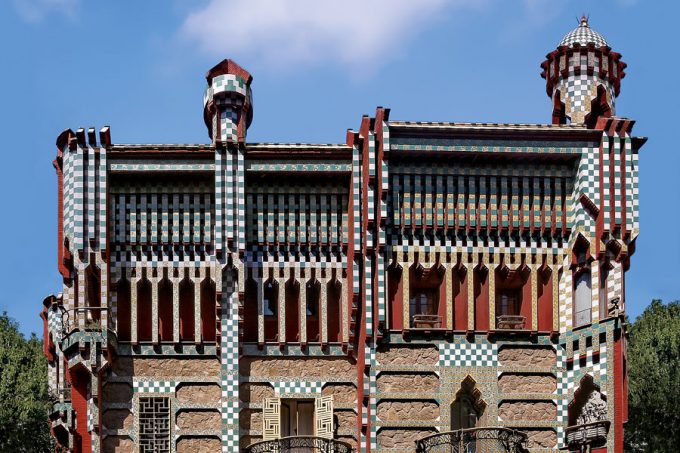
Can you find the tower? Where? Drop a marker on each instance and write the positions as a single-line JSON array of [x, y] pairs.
[[227, 103], [583, 77]]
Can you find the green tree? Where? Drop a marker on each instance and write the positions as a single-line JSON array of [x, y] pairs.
[[24, 399], [654, 380]]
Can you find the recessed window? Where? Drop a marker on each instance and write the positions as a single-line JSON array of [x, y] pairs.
[[423, 302], [582, 298], [297, 417], [270, 301], [312, 295], [508, 302]]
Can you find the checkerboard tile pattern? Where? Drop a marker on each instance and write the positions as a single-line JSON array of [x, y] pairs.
[[54, 322], [583, 35], [229, 358], [151, 386], [467, 354], [297, 389]]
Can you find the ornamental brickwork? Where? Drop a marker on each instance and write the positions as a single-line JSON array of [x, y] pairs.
[[378, 295]]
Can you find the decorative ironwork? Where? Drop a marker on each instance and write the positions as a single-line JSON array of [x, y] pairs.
[[513, 322], [301, 444], [474, 440], [593, 434], [89, 317], [427, 321], [154, 425]]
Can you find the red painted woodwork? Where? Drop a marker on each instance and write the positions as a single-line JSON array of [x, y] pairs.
[[518, 281], [459, 298], [186, 311], [545, 302], [144, 311], [443, 302], [334, 325], [620, 398], [395, 298], [429, 279], [123, 301], [82, 439], [208, 316], [165, 310], [481, 285], [292, 301], [250, 312], [525, 307]]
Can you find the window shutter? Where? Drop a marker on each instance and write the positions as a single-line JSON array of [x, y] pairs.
[[324, 416], [271, 417]]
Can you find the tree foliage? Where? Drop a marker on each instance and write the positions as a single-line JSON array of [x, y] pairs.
[[654, 380], [24, 399]]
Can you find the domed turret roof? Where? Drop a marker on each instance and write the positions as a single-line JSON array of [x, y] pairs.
[[583, 35]]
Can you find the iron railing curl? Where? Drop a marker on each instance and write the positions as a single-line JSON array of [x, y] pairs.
[[300, 444], [474, 440]]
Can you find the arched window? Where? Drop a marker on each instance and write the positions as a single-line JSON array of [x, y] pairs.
[[468, 407], [463, 414]]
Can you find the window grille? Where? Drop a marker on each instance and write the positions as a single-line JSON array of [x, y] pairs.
[[154, 425]]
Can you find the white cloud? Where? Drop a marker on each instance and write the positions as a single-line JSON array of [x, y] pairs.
[[285, 32], [36, 10]]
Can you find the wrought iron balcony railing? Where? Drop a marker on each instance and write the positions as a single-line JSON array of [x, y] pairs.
[[474, 440], [427, 322], [87, 318], [594, 434], [511, 322], [300, 444]]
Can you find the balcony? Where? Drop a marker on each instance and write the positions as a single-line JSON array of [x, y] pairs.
[[474, 440], [300, 444], [593, 434], [427, 322], [511, 322]]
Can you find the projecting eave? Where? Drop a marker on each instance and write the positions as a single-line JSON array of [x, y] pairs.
[[510, 131], [298, 150]]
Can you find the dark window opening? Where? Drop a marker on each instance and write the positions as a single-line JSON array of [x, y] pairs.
[[297, 417]]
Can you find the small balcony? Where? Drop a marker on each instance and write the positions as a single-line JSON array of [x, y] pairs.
[[511, 322], [427, 322], [593, 434], [300, 444], [474, 440]]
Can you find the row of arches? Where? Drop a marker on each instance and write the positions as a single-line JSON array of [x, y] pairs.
[[167, 322], [442, 296], [302, 311]]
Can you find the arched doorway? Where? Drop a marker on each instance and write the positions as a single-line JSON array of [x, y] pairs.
[[468, 407]]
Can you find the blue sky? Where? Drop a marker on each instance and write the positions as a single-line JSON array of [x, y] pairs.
[[317, 67]]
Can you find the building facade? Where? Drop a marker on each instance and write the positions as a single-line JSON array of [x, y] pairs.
[[420, 285]]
